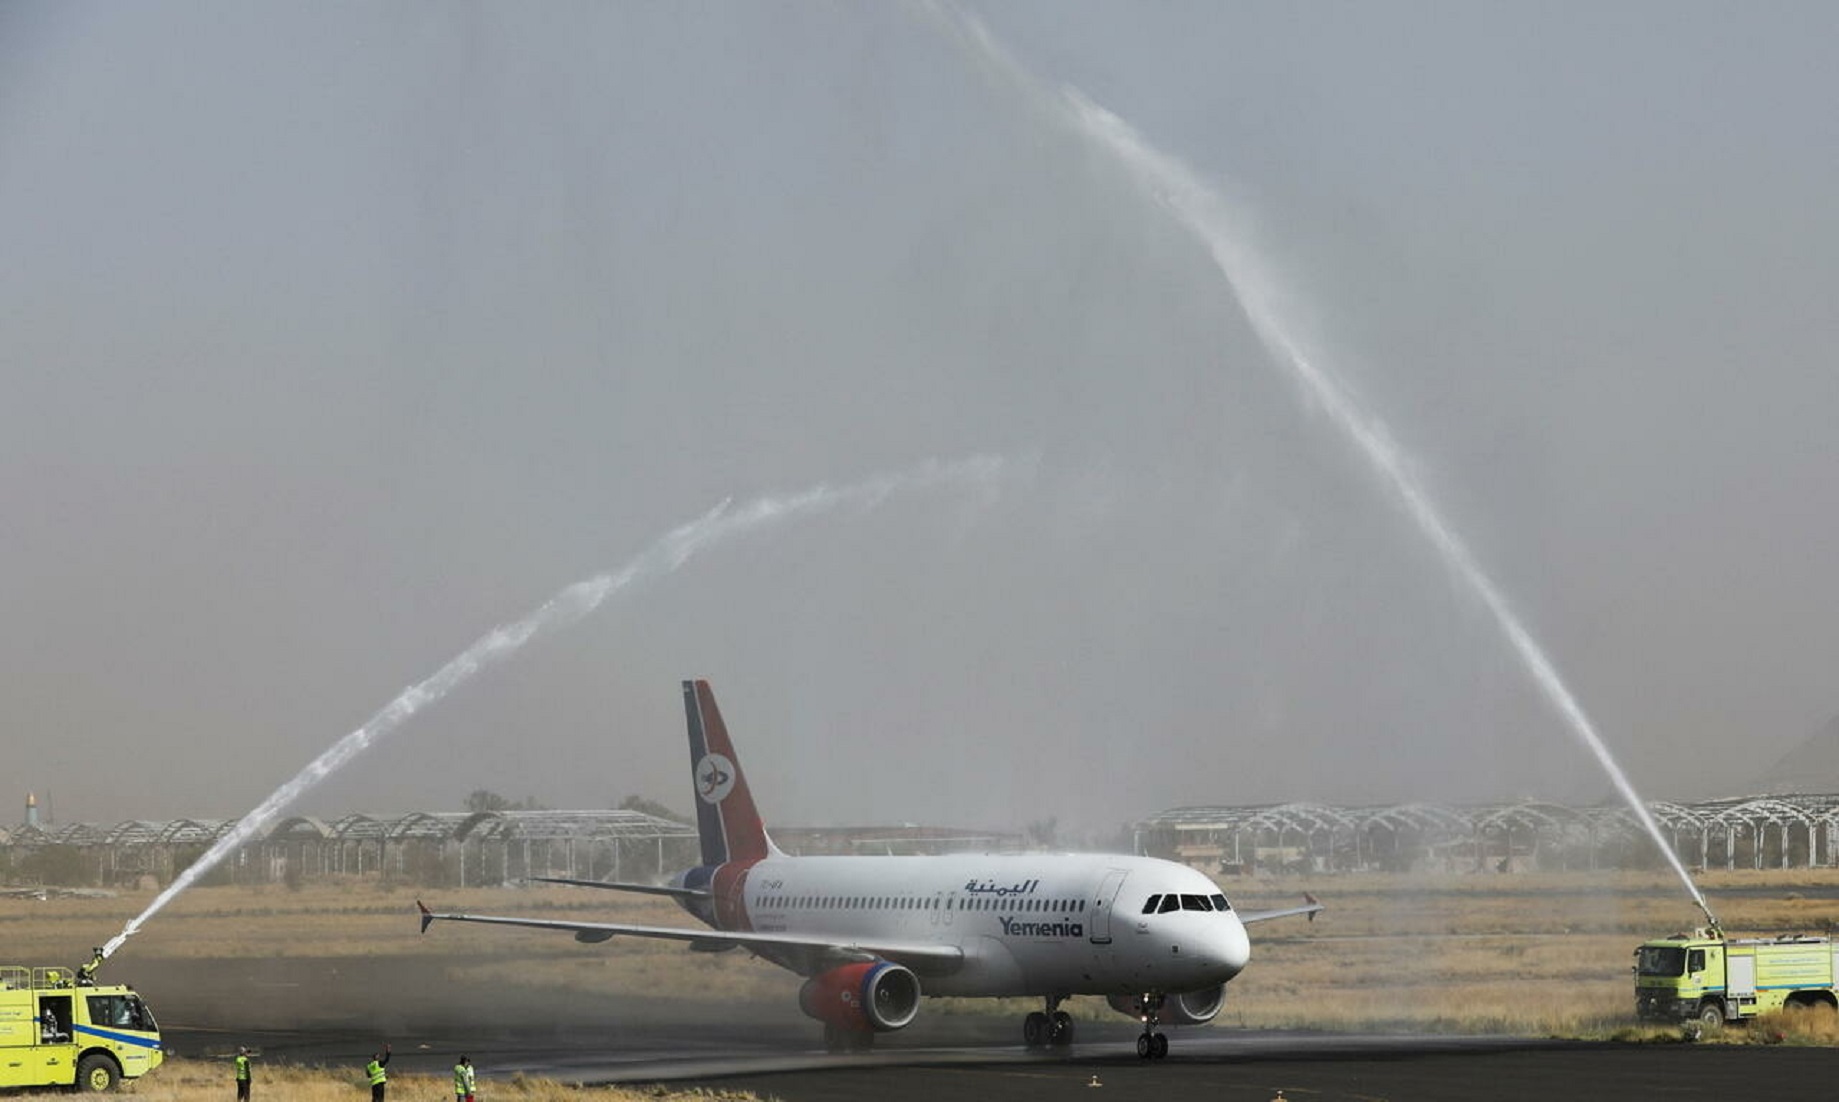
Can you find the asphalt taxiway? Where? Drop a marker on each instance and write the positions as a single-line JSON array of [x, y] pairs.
[[336, 1012], [950, 1062]]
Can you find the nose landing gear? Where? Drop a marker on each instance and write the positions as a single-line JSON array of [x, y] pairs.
[[1050, 1028], [1151, 1045]]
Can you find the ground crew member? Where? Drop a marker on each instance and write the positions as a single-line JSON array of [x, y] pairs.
[[379, 1079], [463, 1080], [242, 1074]]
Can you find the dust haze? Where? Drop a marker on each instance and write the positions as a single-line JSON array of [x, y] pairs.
[[335, 335]]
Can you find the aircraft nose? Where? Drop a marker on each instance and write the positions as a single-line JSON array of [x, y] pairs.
[[1234, 948]]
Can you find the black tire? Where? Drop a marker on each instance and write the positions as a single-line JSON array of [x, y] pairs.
[[97, 1073], [1062, 1034], [1035, 1030], [1144, 1048], [1711, 1015], [1158, 1046]]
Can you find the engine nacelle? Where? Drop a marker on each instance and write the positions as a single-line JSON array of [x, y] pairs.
[[1185, 1008], [873, 995]]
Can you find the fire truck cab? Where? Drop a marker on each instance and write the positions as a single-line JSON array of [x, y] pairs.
[[58, 1028]]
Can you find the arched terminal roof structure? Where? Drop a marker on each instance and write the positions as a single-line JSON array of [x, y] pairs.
[[1757, 831]]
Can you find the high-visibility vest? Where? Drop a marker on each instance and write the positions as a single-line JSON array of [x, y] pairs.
[[462, 1079], [376, 1073], [242, 1069]]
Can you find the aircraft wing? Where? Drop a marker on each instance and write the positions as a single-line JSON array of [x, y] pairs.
[[1310, 907], [808, 954]]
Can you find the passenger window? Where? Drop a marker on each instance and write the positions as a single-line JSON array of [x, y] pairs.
[[1170, 902]]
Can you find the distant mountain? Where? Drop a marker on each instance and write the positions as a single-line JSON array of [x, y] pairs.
[[1813, 766]]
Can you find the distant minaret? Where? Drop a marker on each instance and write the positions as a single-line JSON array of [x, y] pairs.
[[31, 809]]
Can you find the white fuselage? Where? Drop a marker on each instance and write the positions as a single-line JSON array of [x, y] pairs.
[[1026, 925]]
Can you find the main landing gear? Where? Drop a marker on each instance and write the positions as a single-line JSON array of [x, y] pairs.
[[839, 1039], [1152, 1045], [1052, 1028]]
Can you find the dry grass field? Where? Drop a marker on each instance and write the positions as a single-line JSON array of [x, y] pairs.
[[204, 1081], [1543, 953]]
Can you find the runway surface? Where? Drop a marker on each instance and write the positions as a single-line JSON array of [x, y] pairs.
[[337, 1013]]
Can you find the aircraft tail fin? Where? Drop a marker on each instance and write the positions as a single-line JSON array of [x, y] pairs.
[[726, 818]]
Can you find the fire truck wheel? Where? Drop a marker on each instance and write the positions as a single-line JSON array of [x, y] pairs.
[[1711, 1015], [96, 1072]]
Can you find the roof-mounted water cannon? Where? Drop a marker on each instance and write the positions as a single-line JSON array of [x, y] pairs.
[[1713, 928], [86, 975]]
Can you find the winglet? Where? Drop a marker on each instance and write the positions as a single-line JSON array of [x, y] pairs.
[[427, 916]]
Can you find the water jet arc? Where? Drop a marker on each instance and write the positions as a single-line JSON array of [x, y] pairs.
[[1194, 204], [676, 547]]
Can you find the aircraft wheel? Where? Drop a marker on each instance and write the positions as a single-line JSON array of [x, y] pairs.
[[1144, 1047], [1035, 1029], [1062, 1035], [1158, 1046]]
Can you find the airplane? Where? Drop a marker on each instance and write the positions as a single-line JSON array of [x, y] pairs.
[[1156, 939]]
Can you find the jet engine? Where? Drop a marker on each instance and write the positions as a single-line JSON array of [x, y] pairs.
[[1186, 1008], [874, 996]]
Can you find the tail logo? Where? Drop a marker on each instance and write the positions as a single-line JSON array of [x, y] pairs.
[[714, 778]]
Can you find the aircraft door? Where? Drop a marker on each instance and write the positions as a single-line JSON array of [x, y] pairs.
[[1100, 926]]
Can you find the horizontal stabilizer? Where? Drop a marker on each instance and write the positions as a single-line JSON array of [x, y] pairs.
[[642, 889]]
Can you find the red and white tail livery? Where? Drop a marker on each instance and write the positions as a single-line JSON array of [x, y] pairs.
[[873, 935]]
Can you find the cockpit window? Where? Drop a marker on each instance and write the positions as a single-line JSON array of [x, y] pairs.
[[1219, 902], [1170, 902], [1149, 905], [1195, 903]]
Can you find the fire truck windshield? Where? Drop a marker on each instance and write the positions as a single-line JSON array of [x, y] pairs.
[[1660, 960]]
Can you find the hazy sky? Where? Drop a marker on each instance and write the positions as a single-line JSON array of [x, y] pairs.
[[333, 335]]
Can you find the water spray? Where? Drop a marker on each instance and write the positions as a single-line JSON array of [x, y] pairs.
[[1196, 205], [724, 522]]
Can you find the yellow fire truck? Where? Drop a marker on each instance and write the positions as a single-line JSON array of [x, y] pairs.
[[1705, 976], [58, 1028]]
